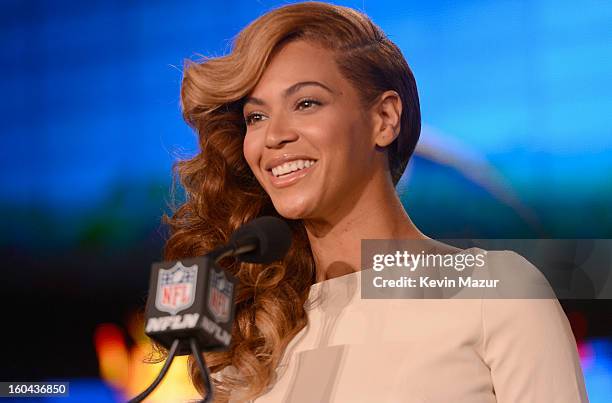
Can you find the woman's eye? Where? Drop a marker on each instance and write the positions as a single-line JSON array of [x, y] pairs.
[[307, 103], [253, 118]]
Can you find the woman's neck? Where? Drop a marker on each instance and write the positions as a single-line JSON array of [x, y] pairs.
[[336, 241]]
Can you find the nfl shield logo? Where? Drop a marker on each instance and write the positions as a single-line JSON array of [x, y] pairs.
[[176, 288], [220, 292]]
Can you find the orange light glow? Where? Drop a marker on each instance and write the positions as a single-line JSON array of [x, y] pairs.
[[125, 370]]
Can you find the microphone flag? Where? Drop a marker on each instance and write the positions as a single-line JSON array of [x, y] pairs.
[[190, 298]]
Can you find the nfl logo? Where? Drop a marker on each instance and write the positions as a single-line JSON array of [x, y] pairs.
[[176, 288], [220, 292]]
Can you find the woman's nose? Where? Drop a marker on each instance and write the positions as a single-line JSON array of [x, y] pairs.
[[279, 131]]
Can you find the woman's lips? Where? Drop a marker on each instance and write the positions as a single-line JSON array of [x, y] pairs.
[[290, 178]]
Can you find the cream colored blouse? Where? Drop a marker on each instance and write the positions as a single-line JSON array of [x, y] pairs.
[[428, 351]]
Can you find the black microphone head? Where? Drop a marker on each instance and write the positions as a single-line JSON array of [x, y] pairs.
[[272, 236]]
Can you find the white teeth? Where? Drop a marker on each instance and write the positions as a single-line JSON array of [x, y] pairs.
[[291, 166]]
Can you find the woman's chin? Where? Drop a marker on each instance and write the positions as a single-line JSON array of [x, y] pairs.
[[292, 210]]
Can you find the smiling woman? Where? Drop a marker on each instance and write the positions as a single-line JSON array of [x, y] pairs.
[[300, 122], [313, 117]]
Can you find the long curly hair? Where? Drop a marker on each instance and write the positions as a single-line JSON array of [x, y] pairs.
[[221, 193]]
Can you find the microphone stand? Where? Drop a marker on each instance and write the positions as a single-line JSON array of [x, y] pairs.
[[204, 374], [194, 345], [263, 240], [196, 351]]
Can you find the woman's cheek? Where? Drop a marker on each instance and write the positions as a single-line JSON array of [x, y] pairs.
[[250, 152]]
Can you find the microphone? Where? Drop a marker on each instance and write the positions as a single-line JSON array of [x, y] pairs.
[[263, 240], [190, 307], [202, 292]]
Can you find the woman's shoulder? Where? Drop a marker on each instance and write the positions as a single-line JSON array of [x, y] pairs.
[[514, 277], [527, 340]]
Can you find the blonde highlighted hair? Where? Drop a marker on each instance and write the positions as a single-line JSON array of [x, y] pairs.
[[221, 192]]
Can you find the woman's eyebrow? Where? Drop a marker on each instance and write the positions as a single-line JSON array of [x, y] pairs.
[[289, 91]]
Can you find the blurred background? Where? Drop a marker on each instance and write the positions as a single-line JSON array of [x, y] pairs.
[[516, 143]]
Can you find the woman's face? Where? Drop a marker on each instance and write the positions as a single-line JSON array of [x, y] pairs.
[[308, 139]]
